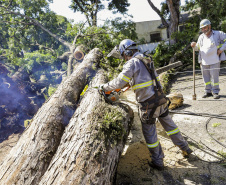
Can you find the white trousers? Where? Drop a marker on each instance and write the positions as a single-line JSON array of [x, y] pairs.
[[210, 74]]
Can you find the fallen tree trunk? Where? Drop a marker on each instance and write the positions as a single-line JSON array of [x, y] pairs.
[[29, 159], [92, 143]]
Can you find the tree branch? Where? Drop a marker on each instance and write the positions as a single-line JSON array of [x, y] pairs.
[[24, 23], [42, 46], [177, 54], [83, 10], [35, 22], [159, 13], [79, 34]]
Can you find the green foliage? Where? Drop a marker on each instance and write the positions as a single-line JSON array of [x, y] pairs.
[[164, 10], [165, 82], [142, 41], [126, 28], [96, 38], [222, 153], [106, 38], [118, 6], [27, 122], [214, 11], [110, 124], [51, 90], [64, 66], [210, 9], [18, 33], [38, 64], [223, 26], [31, 59], [164, 52]]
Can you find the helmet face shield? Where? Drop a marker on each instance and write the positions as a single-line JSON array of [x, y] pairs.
[[115, 53], [124, 46]]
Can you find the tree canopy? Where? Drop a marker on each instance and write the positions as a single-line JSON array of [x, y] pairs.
[[210, 9], [21, 29], [90, 8]]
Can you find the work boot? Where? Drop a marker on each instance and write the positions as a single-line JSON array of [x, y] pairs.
[[187, 152], [207, 95], [216, 96], [155, 166]]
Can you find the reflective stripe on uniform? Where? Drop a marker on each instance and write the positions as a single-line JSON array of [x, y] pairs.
[[207, 83], [153, 145], [157, 78], [125, 78], [142, 85], [220, 45], [215, 84], [173, 132]]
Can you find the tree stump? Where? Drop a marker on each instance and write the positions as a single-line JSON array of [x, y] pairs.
[[176, 100]]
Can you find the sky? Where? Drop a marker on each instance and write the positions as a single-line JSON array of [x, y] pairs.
[[139, 9]]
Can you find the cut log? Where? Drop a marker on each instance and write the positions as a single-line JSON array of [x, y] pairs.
[[29, 159], [79, 52], [92, 143]]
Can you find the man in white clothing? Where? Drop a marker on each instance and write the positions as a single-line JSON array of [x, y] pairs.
[[210, 45]]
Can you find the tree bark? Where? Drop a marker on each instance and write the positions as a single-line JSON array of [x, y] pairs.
[[29, 159], [174, 8], [90, 148]]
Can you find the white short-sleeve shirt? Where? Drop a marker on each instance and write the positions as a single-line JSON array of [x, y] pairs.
[[209, 51]]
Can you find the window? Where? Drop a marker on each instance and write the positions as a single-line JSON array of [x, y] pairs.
[[155, 37]]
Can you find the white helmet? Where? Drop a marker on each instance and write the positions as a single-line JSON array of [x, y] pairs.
[[204, 23], [126, 45]]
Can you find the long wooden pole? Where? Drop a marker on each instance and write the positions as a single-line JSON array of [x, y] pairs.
[[194, 95]]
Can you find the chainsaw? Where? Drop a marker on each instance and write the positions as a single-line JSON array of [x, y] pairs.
[[113, 96]]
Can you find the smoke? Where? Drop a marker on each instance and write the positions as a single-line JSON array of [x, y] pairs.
[[14, 107], [25, 92], [19, 99]]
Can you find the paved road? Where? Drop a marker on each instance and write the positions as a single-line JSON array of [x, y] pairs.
[[202, 166], [207, 131]]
